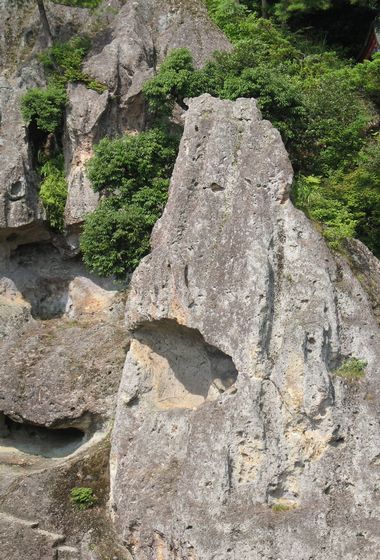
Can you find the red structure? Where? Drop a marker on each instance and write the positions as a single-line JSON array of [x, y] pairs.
[[372, 44]]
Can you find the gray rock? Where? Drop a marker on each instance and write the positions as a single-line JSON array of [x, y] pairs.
[[19, 203], [234, 436], [62, 341], [124, 59]]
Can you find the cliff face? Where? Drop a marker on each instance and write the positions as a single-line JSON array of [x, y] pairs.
[[62, 337], [235, 437], [238, 435], [125, 54]]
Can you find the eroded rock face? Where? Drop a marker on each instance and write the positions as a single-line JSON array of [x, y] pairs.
[[263, 452], [61, 339], [19, 204], [21, 39], [124, 59]]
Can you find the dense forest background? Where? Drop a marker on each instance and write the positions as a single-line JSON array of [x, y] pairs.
[[300, 59]]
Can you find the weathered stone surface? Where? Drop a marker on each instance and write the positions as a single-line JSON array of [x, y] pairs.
[[139, 39], [62, 338], [367, 270], [19, 204], [234, 437], [62, 341], [85, 109]]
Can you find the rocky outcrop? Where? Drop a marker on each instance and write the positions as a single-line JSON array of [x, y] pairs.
[[235, 436], [21, 212], [62, 337], [124, 59], [129, 41], [62, 341], [19, 203], [62, 346]]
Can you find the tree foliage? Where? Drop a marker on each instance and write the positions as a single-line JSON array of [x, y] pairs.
[[44, 107], [132, 175], [53, 191], [323, 105]]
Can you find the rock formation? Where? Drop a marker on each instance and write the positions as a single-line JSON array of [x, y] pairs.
[[235, 437], [143, 34], [62, 337]]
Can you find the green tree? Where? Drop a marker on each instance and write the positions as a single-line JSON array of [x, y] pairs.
[[132, 175]]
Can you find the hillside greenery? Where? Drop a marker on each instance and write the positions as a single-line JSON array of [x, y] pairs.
[[325, 106]]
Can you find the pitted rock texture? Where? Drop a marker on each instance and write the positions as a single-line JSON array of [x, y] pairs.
[[272, 456], [62, 341], [19, 203]]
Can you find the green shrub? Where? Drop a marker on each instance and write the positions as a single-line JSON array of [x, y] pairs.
[[63, 63], [175, 81], [124, 165], [347, 204], [132, 173], [44, 107], [115, 238], [82, 497], [351, 369], [53, 192]]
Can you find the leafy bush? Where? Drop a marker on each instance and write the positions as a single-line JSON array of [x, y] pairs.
[[351, 370], [53, 192], [347, 204], [44, 107], [82, 497], [280, 507], [63, 63], [132, 174], [323, 105], [124, 165], [115, 239], [175, 81]]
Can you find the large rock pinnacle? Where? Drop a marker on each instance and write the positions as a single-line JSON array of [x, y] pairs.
[[234, 437]]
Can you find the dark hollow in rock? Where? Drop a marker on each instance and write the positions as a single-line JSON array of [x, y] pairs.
[[48, 297], [186, 369], [39, 440]]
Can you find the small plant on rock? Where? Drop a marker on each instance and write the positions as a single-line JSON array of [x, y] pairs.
[[82, 497], [283, 506], [351, 369]]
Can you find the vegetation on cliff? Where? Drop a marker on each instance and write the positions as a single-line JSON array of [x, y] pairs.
[[325, 106], [298, 67], [132, 175]]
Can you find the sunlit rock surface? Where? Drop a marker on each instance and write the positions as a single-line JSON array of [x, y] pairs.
[[234, 436]]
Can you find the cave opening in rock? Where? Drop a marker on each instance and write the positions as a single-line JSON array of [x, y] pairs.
[[39, 440], [186, 370]]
